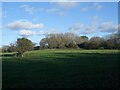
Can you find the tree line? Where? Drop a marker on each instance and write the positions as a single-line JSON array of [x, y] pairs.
[[64, 41], [71, 40]]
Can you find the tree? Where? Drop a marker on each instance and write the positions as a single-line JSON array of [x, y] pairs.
[[12, 48], [60, 40], [71, 40], [85, 45], [5, 48], [0, 49], [72, 45], [113, 41], [85, 38], [23, 45], [44, 43], [81, 41], [96, 42], [111, 44]]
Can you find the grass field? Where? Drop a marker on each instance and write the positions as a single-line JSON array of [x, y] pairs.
[[62, 69]]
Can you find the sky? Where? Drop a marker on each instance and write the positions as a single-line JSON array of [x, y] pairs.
[[34, 20]]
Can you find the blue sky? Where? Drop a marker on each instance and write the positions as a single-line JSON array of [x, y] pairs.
[[34, 20]]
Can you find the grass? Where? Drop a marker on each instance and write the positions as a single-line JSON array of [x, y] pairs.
[[7, 54], [62, 69]]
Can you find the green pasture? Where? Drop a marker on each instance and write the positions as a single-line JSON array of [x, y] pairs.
[[62, 69]]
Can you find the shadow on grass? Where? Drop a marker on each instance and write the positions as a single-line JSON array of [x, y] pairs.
[[62, 70]]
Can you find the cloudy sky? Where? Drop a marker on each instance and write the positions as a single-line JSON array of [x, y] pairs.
[[34, 20]]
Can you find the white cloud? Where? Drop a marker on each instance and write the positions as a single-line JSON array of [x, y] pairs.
[[66, 5], [96, 6], [88, 29], [56, 11], [63, 1], [61, 13], [25, 32], [22, 6], [76, 27], [40, 33], [95, 26], [50, 10], [92, 27], [52, 31], [85, 9], [24, 24], [46, 32], [108, 27], [94, 20], [28, 8]]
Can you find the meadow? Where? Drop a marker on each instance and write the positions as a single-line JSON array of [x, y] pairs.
[[62, 69]]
